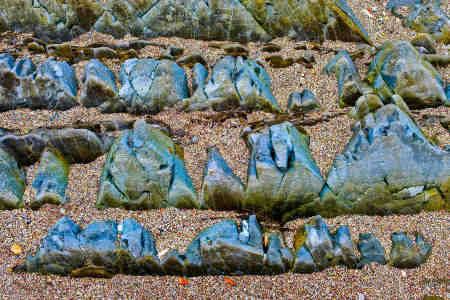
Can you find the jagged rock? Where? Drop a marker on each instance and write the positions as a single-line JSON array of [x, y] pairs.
[[234, 83], [51, 180], [399, 69], [26, 149], [283, 177], [235, 50], [425, 41], [76, 145], [425, 16], [99, 85], [278, 61], [371, 249], [404, 254], [191, 60], [143, 171], [367, 104], [221, 189], [302, 102], [12, 185], [242, 20], [359, 183], [350, 86], [317, 249], [52, 86], [271, 47], [148, 86]]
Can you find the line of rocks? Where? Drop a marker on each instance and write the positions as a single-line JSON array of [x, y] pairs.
[[104, 248]]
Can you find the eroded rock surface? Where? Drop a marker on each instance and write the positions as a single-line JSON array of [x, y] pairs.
[[12, 185], [406, 254]]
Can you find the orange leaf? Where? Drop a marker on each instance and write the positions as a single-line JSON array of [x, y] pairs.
[[229, 281], [183, 281], [16, 249]]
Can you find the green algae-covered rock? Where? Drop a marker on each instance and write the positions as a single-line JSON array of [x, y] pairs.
[[12, 185], [142, 171], [282, 174], [51, 180], [235, 83], [221, 189], [404, 254], [400, 69], [26, 149], [387, 158]]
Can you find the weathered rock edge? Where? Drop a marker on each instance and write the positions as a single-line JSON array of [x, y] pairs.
[[104, 249]]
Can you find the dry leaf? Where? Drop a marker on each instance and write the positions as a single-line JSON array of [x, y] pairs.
[[16, 249], [183, 281], [229, 281]]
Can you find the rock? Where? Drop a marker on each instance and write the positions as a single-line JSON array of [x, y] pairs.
[[142, 171], [26, 149], [435, 59], [235, 50], [271, 47], [302, 102], [350, 86], [400, 69], [424, 16], [191, 60], [173, 53], [283, 177], [75, 145], [35, 48], [307, 60], [173, 263], [51, 180], [221, 189], [117, 125], [367, 104], [404, 254], [12, 185], [148, 87], [371, 249], [278, 61], [434, 200], [300, 47], [52, 86], [358, 183], [317, 249], [445, 122], [104, 52], [424, 40], [234, 83], [98, 85]]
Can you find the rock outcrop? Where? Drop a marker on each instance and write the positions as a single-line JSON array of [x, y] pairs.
[[143, 170], [404, 254]]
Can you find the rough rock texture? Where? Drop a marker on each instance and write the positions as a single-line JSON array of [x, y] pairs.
[[399, 69], [424, 41], [371, 250], [51, 180], [221, 188], [12, 185], [404, 254], [51, 86], [99, 85], [143, 171], [425, 16], [316, 249], [237, 20], [385, 168], [148, 86], [234, 83], [302, 102], [350, 86], [283, 178], [26, 149]]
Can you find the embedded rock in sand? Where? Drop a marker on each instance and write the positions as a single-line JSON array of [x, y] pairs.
[[143, 171], [283, 178], [371, 250], [404, 254], [302, 102], [386, 168], [235, 83], [12, 185]]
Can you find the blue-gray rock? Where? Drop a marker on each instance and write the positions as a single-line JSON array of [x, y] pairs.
[[302, 102], [148, 86], [12, 185], [447, 92], [283, 177], [371, 249], [234, 83], [98, 85], [26, 149], [275, 261], [304, 262], [398, 68], [221, 189], [344, 248], [52, 85], [424, 16], [51, 180], [404, 254], [359, 183], [350, 85], [143, 171]]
